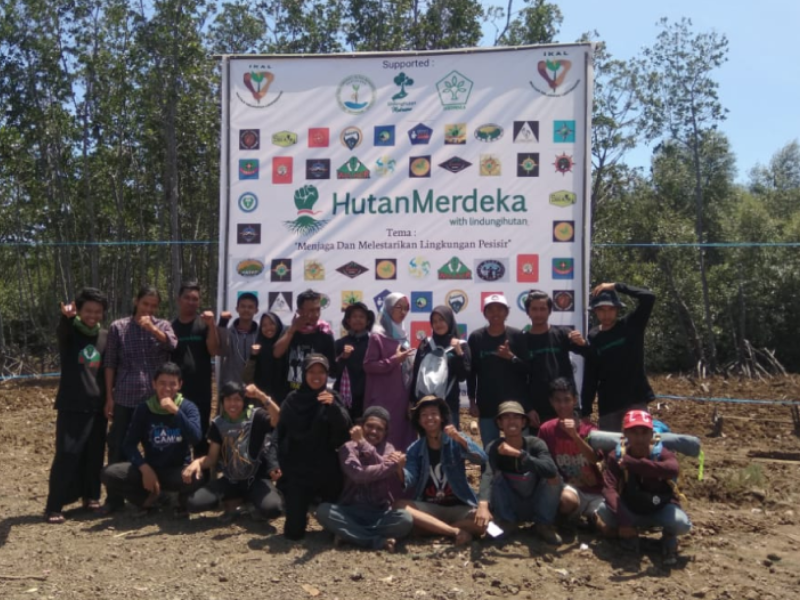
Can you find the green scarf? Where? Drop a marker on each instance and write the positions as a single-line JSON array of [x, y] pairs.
[[82, 328], [246, 414], [155, 406]]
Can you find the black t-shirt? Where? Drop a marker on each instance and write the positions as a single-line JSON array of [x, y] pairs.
[[82, 387], [303, 344], [437, 488], [192, 356], [548, 359], [260, 429], [492, 379]]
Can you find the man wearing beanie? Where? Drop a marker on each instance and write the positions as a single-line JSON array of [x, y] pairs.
[[363, 516]]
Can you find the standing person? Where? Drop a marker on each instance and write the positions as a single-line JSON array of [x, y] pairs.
[[307, 334], [640, 490], [520, 482], [80, 421], [445, 362], [166, 425], [312, 427], [363, 515], [263, 369], [388, 365], [442, 502], [239, 439], [137, 346], [350, 352], [615, 369], [498, 372], [547, 357], [236, 341], [198, 341]]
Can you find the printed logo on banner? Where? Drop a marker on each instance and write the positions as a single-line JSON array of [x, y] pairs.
[[248, 168], [419, 166], [352, 269], [379, 299], [563, 164], [351, 297], [454, 269], [306, 223], [492, 270], [248, 233], [398, 102], [563, 132], [318, 137], [526, 132], [563, 198], [351, 137], [313, 270], [280, 302], [249, 267], [554, 71], [352, 169], [248, 202], [385, 165], [324, 301], [528, 165], [490, 165], [420, 134], [356, 94], [455, 134], [385, 268], [281, 269], [490, 132], [419, 267], [454, 90], [281, 169], [258, 82], [457, 300], [421, 302], [455, 164], [563, 231], [420, 330], [284, 138], [521, 300], [384, 135], [563, 268], [563, 301], [318, 168], [249, 139], [527, 268]]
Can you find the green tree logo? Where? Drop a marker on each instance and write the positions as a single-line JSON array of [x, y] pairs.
[[454, 90], [305, 223], [402, 80]]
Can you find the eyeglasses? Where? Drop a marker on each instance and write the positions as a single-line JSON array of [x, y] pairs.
[[400, 308]]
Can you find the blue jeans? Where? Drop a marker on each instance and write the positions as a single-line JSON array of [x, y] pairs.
[[540, 506], [671, 519], [489, 430], [364, 526]]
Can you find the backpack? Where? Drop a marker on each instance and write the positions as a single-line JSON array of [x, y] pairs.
[[433, 375], [236, 462]]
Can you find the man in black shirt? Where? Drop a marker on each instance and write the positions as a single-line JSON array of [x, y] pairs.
[[198, 341], [615, 369]]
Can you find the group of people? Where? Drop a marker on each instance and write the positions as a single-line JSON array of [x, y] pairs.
[[363, 431]]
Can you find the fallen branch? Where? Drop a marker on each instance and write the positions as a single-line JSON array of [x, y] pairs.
[[19, 577]]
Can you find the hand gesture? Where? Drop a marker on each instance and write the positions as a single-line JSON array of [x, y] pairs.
[[225, 315], [503, 351], [275, 474], [252, 391], [68, 310], [603, 287], [356, 433], [451, 432], [348, 350], [168, 404], [395, 457], [325, 397], [255, 349], [534, 419], [483, 516], [508, 450], [455, 344], [401, 354], [207, 317], [577, 338], [569, 426], [298, 321], [150, 479], [145, 322], [192, 471]]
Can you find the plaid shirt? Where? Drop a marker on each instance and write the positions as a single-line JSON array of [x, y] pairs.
[[135, 355]]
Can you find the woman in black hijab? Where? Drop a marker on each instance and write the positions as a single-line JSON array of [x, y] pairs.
[[313, 425], [444, 347], [263, 369]]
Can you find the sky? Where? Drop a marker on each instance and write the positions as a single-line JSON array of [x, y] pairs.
[[760, 83]]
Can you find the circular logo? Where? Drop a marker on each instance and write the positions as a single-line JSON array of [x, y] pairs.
[[564, 231], [420, 166], [564, 300], [457, 300], [250, 267], [490, 132], [248, 202], [248, 139], [421, 302], [386, 269], [324, 301], [490, 270], [521, 300], [419, 267], [356, 94]]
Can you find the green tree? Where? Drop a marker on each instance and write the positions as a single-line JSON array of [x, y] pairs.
[[537, 22]]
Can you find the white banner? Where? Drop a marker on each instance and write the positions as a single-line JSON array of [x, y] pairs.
[[446, 176]]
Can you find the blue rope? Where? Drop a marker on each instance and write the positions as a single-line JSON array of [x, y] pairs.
[[735, 400]]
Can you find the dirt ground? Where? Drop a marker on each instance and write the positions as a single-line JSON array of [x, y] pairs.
[[745, 542]]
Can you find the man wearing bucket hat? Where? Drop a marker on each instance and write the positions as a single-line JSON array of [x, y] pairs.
[[498, 371], [615, 367], [521, 481], [640, 490]]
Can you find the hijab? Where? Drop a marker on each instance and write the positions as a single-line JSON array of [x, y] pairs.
[[386, 326], [265, 342], [301, 408], [443, 341]]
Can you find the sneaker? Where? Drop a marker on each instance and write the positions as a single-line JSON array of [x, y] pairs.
[[669, 546], [549, 534]]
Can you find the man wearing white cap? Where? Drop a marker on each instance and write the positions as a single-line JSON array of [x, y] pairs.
[[498, 373]]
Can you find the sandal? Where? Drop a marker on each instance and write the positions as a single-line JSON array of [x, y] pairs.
[[53, 518], [92, 505]]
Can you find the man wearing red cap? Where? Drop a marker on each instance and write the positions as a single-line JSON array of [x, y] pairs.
[[639, 489]]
